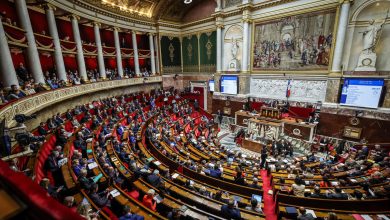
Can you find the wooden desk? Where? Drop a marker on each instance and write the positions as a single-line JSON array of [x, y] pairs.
[[252, 145], [9, 206], [290, 126]]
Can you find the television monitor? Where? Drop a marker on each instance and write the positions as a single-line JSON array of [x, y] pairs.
[[361, 92], [229, 85], [211, 85]]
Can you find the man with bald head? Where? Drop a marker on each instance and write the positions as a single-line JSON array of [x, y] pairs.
[[303, 215]]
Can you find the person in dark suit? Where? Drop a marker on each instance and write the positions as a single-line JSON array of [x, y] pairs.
[[22, 72], [129, 216], [100, 201], [338, 194], [303, 215], [68, 115], [79, 143], [154, 179], [317, 193], [196, 105], [41, 129], [263, 157], [220, 116], [216, 172], [52, 166], [255, 184], [229, 211], [85, 182]]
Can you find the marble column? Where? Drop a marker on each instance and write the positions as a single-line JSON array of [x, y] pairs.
[[100, 57], [244, 84], [59, 60], [340, 37], [135, 49], [7, 69], [32, 51], [118, 52], [152, 59], [217, 82], [219, 5], [157, 54], [245, 47], [219, 48], [332, 90], [79, 46]]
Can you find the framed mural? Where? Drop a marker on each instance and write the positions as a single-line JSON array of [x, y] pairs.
[[300, 42]]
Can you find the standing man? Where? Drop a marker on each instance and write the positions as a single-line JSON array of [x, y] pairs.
[[220, 116], [263, 156], [196, 105]]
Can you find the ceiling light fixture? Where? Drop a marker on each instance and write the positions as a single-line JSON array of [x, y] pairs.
[[187, 1]]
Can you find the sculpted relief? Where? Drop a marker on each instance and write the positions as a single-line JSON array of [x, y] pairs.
[[301, 42], [301, 90]]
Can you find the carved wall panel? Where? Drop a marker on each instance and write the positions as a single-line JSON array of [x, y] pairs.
[[301, 90]]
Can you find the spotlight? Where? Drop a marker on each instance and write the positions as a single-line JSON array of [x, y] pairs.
[[187, 1]]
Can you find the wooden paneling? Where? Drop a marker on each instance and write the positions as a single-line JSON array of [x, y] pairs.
[[233, 105], [373, 130]]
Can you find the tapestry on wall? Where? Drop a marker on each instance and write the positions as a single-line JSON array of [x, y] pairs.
[[208, 51], [170, 53], [301, 42], [190, 54]]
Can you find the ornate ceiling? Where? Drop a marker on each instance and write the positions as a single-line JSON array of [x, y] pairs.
[[171, 10]]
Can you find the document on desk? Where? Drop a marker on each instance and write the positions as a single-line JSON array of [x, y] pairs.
[[366, 217], [175, 175], [384, 217], [92, 165], [115, 193], [309, 211]]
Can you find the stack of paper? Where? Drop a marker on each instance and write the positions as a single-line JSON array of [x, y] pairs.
[[92, 165], [115, 193]]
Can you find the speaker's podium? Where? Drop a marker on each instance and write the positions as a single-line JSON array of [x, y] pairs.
[[269, 112], [269, 123]]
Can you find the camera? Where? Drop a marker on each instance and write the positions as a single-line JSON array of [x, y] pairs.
[[21, 118], [25, 139]]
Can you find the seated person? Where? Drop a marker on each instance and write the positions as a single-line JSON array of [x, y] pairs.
[[216, 172], [100, 201], [42, 129], [229, 211], [337, 194], [15, 93], [148, 200], [303, 215], [255, 183], [128, 215], [3, 98], [85, 182], [255, 206], [154, 179], [298, 188], [317, 193]]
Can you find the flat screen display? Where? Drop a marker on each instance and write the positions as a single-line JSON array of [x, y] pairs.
[[362, 92], [229, 85], [211, 85]]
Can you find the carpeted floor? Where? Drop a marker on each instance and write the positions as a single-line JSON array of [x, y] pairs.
[[227, 140], [269, 203]]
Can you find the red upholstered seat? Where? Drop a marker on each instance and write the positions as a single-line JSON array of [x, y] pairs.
[[68, 126], [44, 152]]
